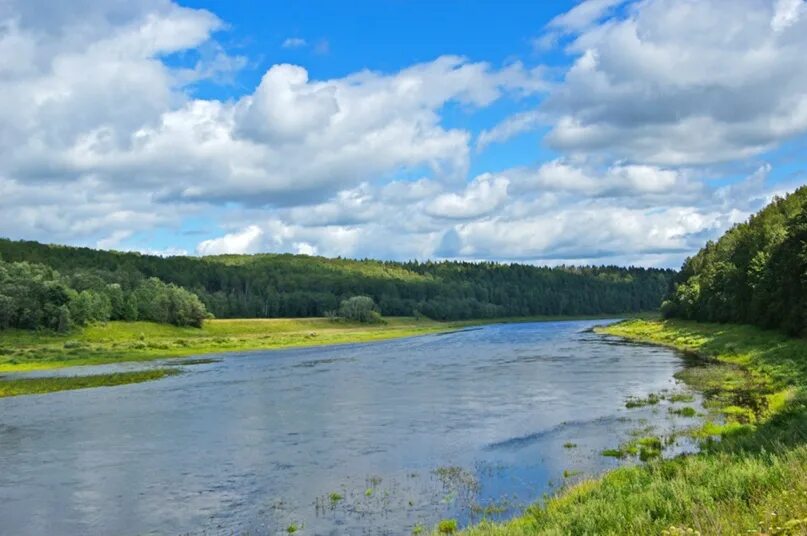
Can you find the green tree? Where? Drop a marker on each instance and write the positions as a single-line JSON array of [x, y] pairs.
[[359, 309]]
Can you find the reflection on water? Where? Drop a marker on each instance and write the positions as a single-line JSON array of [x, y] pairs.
[[361, 439]]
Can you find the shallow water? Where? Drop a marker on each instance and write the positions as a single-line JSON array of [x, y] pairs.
[[407, 432]]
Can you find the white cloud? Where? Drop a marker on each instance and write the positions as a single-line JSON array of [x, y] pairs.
[[510, 127], [687, 82], [482, 196], [294, 42], [101, 141], [786, 13], [583, 15], [559, 212], [244, 241]]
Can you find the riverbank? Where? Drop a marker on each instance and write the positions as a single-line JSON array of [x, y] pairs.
[[118, 342], [750, 481]]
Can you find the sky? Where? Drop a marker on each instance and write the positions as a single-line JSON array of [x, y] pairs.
[[624, 132]]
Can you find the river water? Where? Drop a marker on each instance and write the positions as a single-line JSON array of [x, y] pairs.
[[358, 439]]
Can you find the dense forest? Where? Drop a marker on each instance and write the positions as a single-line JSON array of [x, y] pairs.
[[37, 296], [755, 274], [282, 285]]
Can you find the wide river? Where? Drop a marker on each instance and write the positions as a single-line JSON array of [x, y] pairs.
[[358, 439]]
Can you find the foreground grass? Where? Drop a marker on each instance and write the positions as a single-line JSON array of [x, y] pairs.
[[116, 342], [30, 386], [752, 481]]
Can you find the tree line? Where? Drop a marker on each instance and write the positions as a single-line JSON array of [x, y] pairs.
[[34, 296], [284, 285], [756, 273]]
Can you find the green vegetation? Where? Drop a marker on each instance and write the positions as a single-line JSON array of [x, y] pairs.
[[686, 411], [681, 397], [755, 274], [751, 480], [272, 286], [651, 400], [447, 526], [114, 342], [35, 296], [569, 445], [360, 309], [31, 386]]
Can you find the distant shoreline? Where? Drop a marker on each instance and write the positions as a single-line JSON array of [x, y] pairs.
[[127, 342]]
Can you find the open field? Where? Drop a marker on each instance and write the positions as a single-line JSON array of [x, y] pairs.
[[750, 475]]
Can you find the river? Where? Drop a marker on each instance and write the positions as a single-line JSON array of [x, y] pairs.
[[359, 439]]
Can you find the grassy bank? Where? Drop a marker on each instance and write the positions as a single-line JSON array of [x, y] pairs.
[[115, 342], [750, 481], [32, 386]]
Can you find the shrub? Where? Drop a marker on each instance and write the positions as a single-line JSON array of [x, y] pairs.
[[359, 309]]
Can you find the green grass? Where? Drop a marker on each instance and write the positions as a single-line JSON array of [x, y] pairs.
[[116, 342], [30, 386], [750, 481], [651, 400]]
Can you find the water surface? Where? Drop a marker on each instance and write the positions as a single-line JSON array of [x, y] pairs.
[[406, 432]]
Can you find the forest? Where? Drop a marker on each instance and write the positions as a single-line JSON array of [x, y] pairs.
[[41, 284], [756, 273], [36, 296]]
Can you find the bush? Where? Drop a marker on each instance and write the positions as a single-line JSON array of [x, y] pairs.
[[359, 309]]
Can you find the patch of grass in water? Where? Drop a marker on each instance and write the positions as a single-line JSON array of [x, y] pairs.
[[456, 478], [650, 400], [199, 361], [30, 386], [490, 509], [447, 526], [686, 411], [569, 445], [681, 397]]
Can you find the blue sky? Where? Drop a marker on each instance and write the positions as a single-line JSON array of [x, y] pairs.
[[599, 131]]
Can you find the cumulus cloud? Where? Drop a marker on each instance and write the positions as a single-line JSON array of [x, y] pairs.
[[102, 139], [243, 241], [685, 82], [559, 212], [482, 196], [89, 99]]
